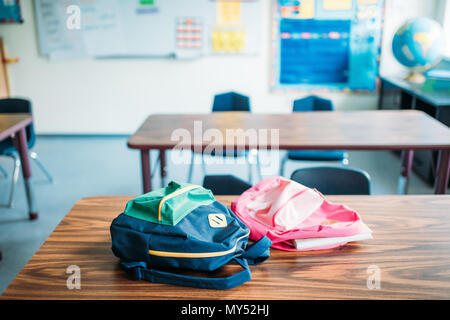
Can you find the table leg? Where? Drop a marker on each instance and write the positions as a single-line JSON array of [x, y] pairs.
[[20, 140], [442, 172], [162, 165], [433, 164], [146, 174], [381, 95], [407, 159]]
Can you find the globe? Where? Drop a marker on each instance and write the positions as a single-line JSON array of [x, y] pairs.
[[418, 44]]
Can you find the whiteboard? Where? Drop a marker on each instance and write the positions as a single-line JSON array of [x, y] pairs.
[[148, 28]]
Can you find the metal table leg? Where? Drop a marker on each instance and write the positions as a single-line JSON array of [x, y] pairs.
[[20, 140], [403, 180], [442, 172], [146, 174]]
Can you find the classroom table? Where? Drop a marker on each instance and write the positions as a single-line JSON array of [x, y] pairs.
[[14, 125], [410, 252], [405, 130]]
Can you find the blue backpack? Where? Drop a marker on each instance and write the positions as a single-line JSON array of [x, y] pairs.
[[183, 227]]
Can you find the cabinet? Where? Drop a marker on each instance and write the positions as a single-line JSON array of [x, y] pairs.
[[399, 94]]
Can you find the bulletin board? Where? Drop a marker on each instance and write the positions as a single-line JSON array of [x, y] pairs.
[[326, 45], [10, 11], [148, 28]]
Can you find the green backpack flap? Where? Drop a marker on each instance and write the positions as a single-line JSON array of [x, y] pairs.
[[169, 205]]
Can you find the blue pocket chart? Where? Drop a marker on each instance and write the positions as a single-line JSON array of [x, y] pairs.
[[10, 11], [325, 45]]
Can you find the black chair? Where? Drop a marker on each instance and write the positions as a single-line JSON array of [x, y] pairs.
[[225, 185], [231, 101], [334, 180], [226, 102], [14, 105]]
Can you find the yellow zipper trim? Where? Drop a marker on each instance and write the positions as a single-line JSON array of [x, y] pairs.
[[196, 254], [174, 194]]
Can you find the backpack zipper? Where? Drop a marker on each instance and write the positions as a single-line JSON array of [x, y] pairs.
[[173, 194], [169, 254]]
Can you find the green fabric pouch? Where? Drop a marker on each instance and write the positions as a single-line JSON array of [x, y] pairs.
[[169, 205]]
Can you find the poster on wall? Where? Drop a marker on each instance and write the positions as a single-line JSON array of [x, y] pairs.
[[10, 11], [324, 45]]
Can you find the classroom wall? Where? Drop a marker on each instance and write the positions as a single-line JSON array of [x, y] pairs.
[[114, 96]]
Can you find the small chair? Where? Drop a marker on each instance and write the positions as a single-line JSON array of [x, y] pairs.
[[313, 103], [7, 146], [226, 102], [225, 185], [231, 101], [334, 180]]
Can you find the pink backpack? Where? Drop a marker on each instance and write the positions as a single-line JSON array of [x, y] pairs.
[[285, 210]]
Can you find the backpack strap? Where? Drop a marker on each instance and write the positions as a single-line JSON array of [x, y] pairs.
[[258, 251], [139, 271]]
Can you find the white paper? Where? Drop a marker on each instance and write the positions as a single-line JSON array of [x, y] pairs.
[[312, 243]]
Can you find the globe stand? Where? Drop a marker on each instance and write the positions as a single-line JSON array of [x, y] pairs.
[[415, 77]]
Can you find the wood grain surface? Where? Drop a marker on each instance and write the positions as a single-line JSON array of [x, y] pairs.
[[356, 130], [11, 123], [411, 247]]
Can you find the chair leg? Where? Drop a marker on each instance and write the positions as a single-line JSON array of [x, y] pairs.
[[191, 168], [35, 157], [155, 167], [345, 160], [258, 165], [203, 165], [283, 164], [249, 166], [14, 180], [4, 172]]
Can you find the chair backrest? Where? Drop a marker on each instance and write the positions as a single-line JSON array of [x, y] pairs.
[[226, 185], [334, 180], [231, 101], [15, 105], [312, 103]]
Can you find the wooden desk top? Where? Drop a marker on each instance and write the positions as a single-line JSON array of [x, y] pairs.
[[411, 246], [356, 130], [11, 123]]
